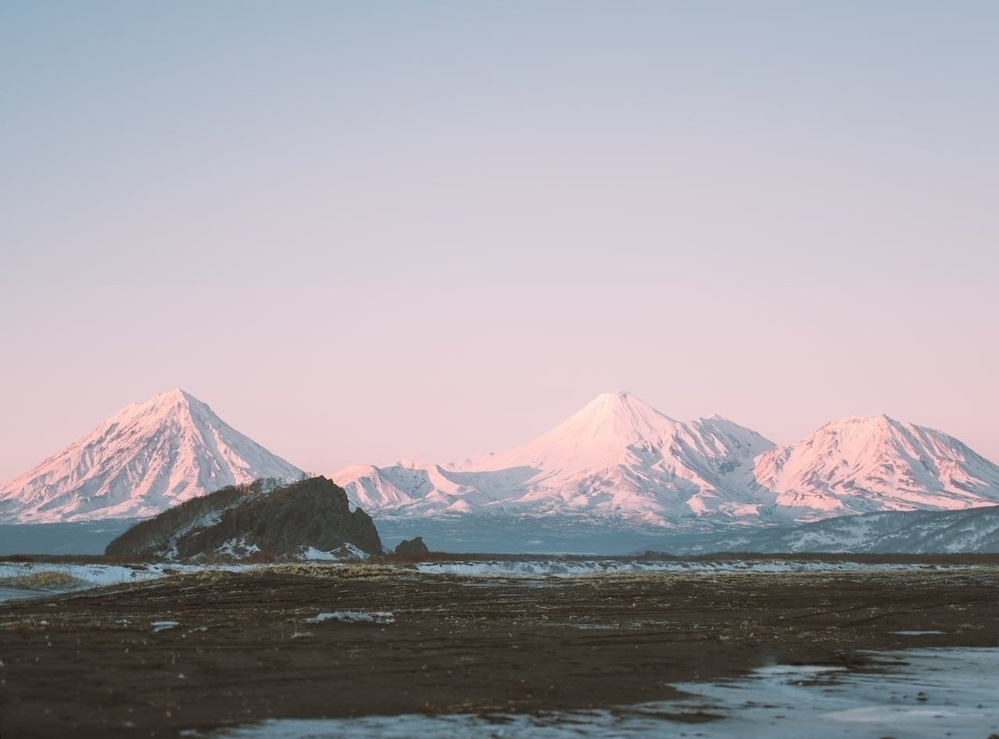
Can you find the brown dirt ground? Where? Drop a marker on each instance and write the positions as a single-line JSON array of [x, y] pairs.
[[90, 664]]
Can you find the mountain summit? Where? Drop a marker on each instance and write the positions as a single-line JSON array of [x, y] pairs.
[[147, 457], [598, 435], [612, 418], [603, 428], [860, 465]]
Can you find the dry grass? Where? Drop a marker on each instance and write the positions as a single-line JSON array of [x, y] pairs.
[[45, 580]]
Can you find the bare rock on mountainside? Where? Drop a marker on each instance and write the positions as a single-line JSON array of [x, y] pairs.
[[244, 520], [412, 547]]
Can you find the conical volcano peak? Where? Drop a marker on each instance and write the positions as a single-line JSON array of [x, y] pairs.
[[623, 406], [165, 400], [619, 415], [175, 394], [142, 460], [175, 405], [172, 398], [603, 429]]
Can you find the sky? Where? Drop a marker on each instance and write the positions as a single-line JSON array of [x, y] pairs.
[[368, 231]]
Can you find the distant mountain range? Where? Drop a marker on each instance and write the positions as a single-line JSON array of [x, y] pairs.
[[887, 532], [617, 462], [141, 461], [620, 459]]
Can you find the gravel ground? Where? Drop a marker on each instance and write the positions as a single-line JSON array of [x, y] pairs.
[[201, 651]]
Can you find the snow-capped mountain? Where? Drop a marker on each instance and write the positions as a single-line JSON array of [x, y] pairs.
[[145, 459], [620, 459], [861, 465], [616, 458]]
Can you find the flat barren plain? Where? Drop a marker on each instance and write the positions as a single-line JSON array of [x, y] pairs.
[[195, 652]]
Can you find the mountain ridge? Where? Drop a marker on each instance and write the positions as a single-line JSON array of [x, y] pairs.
[[620, 458], [605, 460], [861, 465]]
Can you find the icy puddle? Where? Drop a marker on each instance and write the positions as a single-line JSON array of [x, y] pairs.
[[20, 593], [915, 693]]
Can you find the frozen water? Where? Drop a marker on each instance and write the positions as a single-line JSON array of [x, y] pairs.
[[354, 617], [916, 693]]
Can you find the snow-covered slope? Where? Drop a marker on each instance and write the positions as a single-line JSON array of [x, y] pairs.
[[616, 458], [147, 458], [860, 465]]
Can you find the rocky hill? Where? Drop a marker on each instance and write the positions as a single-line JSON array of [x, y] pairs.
[[307, 519]]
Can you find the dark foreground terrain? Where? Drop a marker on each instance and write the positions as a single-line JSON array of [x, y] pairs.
[[242, 648]]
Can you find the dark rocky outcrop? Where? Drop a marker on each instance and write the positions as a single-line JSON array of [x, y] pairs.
[[156, 537], [412, 547], [244, 521]]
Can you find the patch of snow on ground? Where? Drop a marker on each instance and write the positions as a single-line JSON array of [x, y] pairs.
[[7, 594], [86, 574], [317, 555], [92, 575], [925, 693], [348, 551], [354, 617]]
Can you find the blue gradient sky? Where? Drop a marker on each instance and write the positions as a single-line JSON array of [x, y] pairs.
[[365, 231]]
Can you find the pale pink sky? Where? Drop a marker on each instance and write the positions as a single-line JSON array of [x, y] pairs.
[[363, 231]]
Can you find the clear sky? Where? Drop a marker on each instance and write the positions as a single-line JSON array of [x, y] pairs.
[[368, 231]]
